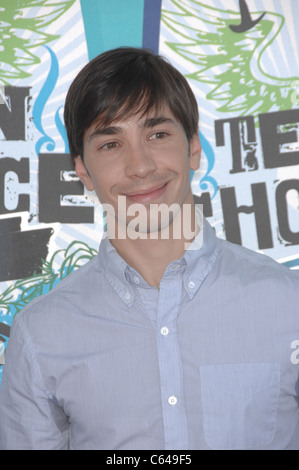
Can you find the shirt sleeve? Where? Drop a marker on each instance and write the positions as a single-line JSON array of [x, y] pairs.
[[30, 419]]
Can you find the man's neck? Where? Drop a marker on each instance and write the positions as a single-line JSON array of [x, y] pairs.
[[151, 256]]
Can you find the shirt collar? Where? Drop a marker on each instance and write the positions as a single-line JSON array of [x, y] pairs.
[[197, 262], [114, 268], [200, 258]]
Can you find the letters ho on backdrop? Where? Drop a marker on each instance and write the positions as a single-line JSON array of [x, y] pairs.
[[241, 59]]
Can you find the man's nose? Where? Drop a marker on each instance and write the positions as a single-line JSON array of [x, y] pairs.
[[139, 160]]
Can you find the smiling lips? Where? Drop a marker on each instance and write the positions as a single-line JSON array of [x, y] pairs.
[[147, 195]]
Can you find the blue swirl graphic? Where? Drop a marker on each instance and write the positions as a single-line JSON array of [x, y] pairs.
[[207, 179], [41, 101], [291, 264], [61, 129]]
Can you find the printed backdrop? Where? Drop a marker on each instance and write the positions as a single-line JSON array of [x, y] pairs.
[[242, 61]]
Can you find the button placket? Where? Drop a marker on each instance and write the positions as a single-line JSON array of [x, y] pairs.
[[170, 366]]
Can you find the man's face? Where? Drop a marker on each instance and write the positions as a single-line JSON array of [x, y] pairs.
[[146, 159]]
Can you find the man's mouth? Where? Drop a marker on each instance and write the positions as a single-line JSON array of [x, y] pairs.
[[147, 194]]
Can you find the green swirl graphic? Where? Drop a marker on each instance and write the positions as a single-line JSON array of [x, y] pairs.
[[25, 16], [230, 61]]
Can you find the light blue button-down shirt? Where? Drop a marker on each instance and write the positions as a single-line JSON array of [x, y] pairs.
[[104, 361]]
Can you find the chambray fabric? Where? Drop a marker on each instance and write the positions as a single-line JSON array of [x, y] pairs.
[[104, 361]]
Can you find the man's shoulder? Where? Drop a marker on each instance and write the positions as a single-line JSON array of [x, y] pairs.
[[68, 295], [250, 263]]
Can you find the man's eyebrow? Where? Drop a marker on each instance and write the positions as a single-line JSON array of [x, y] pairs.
[[156, 121], [112, 130]]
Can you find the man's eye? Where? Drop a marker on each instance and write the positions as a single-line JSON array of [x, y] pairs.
[[159, 135], [109, 146]]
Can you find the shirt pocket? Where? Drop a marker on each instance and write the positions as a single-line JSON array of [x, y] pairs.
[[239, 404]]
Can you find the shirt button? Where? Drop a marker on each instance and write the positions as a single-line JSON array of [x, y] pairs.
[[127, 297], [174, 267], [191, 285], [136, 279], [164, 331], [172, 400]]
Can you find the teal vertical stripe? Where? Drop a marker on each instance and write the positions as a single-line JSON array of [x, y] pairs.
[[112, 23]]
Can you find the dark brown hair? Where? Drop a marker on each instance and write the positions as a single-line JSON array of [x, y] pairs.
[[122, 82]]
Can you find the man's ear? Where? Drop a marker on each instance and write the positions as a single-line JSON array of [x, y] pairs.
[[195, 152], [83, 174]]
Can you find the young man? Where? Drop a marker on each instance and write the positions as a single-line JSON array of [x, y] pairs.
[[170, 338]]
